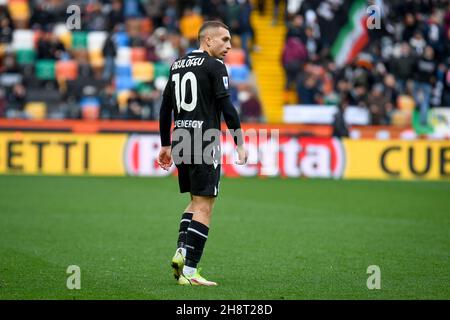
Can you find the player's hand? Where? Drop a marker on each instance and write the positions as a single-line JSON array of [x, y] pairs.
[[242, 155], [165, 158]]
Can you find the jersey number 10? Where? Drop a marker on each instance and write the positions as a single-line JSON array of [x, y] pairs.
[[181, 96]]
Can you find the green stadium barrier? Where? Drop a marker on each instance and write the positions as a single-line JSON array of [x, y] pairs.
[[161, 69]]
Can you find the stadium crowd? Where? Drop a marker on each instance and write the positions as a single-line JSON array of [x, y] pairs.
[[404, 66], [114, 64]]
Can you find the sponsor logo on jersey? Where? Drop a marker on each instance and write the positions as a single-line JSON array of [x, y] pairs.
[[225, 82], [188, 124]]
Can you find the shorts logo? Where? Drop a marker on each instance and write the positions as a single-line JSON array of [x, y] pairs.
[[225, 82]]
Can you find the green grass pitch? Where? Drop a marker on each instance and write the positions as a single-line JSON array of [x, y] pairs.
[[269, 238]]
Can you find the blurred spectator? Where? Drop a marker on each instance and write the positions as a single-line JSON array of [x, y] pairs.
[[409, 27], [109, 54], [390, 90], [115, 16], [340, 128], [358, 95], [6, 28], [9, 65], [308, 90], [312, 44], [276, 11], [425, 77], [134, 109], [16, 99], [296, 28], [163, 46], [435, 33], [246, 32], [377, 103], [95, 20], [3, 102], [133, 9], [50, 47], [293, 56], [109, 107], [251, 110], [418, 43], [402, 67]]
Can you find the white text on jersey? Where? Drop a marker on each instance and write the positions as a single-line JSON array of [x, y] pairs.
[[188, 124], [184, 63]]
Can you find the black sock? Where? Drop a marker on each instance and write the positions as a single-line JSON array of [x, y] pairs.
[[186, 219], [196, 237]]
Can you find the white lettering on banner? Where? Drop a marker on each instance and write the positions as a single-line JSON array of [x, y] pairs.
[[141, 155], [291, 163], [269, 151], [286, 156], [317, 162]]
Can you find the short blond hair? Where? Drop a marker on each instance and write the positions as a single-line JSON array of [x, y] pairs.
[[209, 25]]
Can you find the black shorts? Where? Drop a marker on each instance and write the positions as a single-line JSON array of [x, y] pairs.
[[199, 179]]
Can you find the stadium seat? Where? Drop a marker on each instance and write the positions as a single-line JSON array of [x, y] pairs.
[[123, 56], [143, 71], [239, 74], [23, 39], [36, 110], [161, 69], [123, 71], [25, 56], [406, 103], [66, 70], [96, 40], [138, 54], [400, 118], [96, 58], [45, 69], [122, 39], [124, 83], [19, 9], [64, 35], [122, 99], [79, 40], [146, 26]]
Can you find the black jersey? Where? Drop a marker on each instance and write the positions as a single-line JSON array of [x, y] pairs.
[[196, 86], [196, 81]]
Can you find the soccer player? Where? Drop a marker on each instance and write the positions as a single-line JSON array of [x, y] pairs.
[[198, 94]]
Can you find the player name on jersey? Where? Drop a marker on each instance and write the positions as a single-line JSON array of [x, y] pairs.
[[188, 124], [184, 63]]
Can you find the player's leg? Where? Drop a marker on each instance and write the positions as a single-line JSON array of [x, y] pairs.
[[177, 262], [196, 238], [204, 188]]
